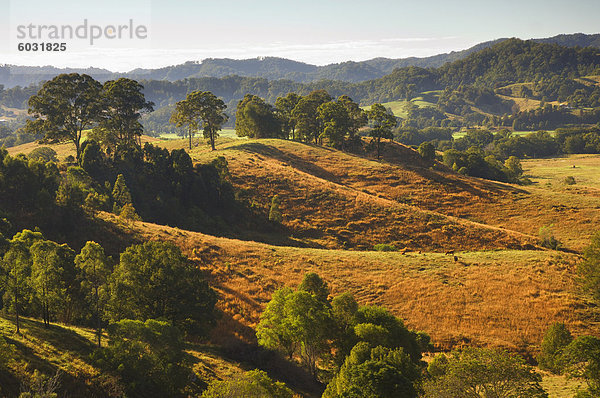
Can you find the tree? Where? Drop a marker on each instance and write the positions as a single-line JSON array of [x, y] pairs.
[[297, 322], [120, 194], [315, 285], [377, 372], [123, 105], [154, 280], [305, 115], [148, 355], [479, 372], [186, 115], [336, 122], [557, 337], [309, 321], [589, 269], [17, 269], [344, 308], [95, 272], [582, 358], [252, 384], [275, 211], [272, 331], [64, 107], [47, 270], [382, 122], [201, 108], [358, 117], [283, 109], [255, 118], [513, 164], [427, 151]]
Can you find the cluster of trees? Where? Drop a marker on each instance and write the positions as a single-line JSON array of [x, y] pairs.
[[17, 97], [546, 118], [518, 61], [315, 117], [69, 104], [160, 186], [150, 299], [475, 163], [370, 353], [337, 333], [481, 153], [460, 101], [579, 93]]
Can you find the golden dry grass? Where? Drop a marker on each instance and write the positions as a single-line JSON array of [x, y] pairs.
[[334, 199], [62, 149], [501, 298], [323, 190]]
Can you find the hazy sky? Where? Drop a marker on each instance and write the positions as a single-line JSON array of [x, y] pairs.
[[315, 31]]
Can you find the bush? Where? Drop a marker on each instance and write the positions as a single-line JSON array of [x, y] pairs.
[[496, 372], [43, 154], [384, 247], [147, 355], [547, 238], [252, 384], [570, 180], [557, 337], [427, 151], [275, 212]]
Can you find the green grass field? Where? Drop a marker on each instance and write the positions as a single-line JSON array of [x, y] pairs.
[[426, 98], [461, 134], [584, 168]]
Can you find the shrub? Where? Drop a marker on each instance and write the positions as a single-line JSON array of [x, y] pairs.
[[43, 154], [384, 247], [557, 337], [547, 238], [275, 212], [496, 372], [252, 384], [570, 180]]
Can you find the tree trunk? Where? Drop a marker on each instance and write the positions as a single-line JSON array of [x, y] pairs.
[[98, 327], [17, 308]]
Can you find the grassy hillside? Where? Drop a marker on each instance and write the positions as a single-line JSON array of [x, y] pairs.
[[497, 298], [501, 290], [323, 190], [333, 199], [65, 351]]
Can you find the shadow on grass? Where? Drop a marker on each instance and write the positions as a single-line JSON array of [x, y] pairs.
[[64, 341]]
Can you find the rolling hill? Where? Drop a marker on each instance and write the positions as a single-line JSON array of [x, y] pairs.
[[273, 68], [498, 288]]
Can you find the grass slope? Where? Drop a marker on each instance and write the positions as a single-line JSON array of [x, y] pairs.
[[66, 350], [501, 298], [332, 199]]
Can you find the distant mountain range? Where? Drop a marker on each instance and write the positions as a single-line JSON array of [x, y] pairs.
[[273, 68]]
